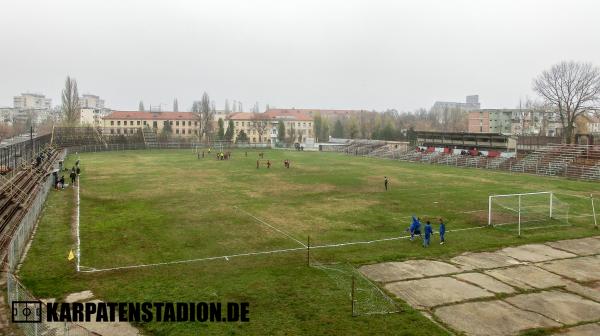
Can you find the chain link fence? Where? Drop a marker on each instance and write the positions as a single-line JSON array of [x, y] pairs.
[[22, 304]]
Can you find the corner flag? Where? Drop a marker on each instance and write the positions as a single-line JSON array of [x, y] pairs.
[[71, 256]]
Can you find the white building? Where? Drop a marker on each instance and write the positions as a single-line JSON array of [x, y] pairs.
[[32, 107], [471, 103], [29, 101], [91, 101]]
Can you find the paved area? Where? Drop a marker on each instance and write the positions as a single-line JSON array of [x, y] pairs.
[[504, 292], [562, 307], [436, 291], [592, 329]]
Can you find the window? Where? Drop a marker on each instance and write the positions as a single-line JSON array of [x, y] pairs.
[[112, 131], [144, 122], [196, 132], [118, 131], [131, 123], [112, 123], [182, 131], [236, 123], [242, 123], [171, 123], [165, 123], [189, 123], [138, 123], [195, 123], [177, 123], [118, 122], [177, 131]]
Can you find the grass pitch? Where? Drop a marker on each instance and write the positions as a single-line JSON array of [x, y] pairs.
[[146, 207]]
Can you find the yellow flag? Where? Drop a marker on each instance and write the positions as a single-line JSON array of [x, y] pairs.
[[71, 255]]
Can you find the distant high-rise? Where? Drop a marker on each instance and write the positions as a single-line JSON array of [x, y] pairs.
[[91, 101], [471, 103], [28, 101]]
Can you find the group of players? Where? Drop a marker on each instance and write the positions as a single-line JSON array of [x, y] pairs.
[[227, 155], [415, 226], [415, 229]]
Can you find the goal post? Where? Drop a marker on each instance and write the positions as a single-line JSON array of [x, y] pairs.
[[526, 211]]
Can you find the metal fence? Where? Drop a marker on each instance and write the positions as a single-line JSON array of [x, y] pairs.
[[16, 291], [160, 145], [24, 151]]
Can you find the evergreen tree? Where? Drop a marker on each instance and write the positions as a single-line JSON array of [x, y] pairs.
[[281, 131], [229, 132], [338, 129], [221, 131], [242, 136]]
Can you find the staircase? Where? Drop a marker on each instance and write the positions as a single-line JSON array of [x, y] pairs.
[[150, 140]]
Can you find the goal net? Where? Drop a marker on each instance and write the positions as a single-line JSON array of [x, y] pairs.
[[518, 212], [364, 297]]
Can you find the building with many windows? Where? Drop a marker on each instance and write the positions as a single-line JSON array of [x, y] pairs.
[[31, 107], [264, 127], [183, 124], [514, 121]]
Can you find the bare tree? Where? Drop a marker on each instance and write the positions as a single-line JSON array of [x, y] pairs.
[[572, 88], [204, 112], [259, 125], [70, 102]]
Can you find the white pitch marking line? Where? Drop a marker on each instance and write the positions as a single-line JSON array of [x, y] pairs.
[[271, 226], [227, 257]]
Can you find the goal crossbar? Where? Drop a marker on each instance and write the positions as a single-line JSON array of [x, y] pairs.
[[519, 205]]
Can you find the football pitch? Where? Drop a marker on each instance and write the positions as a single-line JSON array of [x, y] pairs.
[[165, 225]]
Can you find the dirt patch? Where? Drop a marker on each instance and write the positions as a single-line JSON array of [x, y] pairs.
[[563, 307], [493, 318], [431, 292], [79, 296]]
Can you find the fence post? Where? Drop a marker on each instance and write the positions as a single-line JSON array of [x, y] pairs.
[[593, 211]]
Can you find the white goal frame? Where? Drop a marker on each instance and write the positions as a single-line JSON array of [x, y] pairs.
[[549, 193]]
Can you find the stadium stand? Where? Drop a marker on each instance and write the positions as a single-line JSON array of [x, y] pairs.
[[18, 191], [571, 161], [76, 136], [150, 139]]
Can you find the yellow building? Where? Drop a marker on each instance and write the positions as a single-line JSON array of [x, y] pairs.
[[183, 124], [263, 127]]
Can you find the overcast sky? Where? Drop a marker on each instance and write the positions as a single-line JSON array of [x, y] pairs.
[[287, 53]]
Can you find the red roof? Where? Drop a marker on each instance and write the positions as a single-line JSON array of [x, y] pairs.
[[312, 112], [271, 115], [141, 115]]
